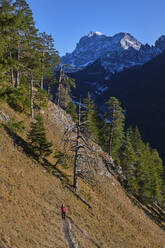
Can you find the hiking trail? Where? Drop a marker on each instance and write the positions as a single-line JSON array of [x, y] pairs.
[[67, 229]]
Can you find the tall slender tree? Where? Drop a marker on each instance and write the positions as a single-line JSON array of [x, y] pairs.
[[48, 58], [7, 27], [115, 115], [90, 119], [41, 147], [26, 37], [128, 163], [65, 83]]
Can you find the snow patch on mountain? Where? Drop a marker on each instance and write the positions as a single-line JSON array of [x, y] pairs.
[[116, 53], [94, 33]]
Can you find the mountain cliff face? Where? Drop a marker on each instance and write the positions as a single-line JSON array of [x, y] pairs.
[[160, 43], [116, 53]]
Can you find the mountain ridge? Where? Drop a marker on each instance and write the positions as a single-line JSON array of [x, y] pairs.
[[117, 52], [141, 91]]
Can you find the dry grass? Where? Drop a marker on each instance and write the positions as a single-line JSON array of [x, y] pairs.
[[30, 200]]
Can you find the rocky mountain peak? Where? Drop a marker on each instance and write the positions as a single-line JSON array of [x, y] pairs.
[[160, 43], [94, 33], [116, 52], [129, 41]]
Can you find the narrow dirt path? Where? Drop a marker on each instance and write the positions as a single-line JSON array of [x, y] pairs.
[[68, 235]]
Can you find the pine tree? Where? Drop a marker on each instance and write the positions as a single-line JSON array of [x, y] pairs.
[[7, 27], [26, 35], [115, 116], [72, 110], [104, 132], [156, 168], [65, 83], [90, 119], [128, 163], [48, 58], [40, 146]]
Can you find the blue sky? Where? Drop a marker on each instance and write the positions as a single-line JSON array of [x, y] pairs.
[[68, 20]]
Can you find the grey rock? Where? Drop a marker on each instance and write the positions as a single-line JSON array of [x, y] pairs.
[[116, 53]]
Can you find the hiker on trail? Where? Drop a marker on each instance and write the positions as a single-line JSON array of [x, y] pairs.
[[63, 211]]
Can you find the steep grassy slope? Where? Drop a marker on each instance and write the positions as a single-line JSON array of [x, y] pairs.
[[30, 199]]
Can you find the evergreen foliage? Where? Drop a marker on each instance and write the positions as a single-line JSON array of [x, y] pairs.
[[26, 56], [72, 110], [113, 128], [128, 160], [15, 126], [142, 168], [62, 159], [48, 56], [39, 144], [65, 83], [18, 99], [90, 119], [41, 98], [104, 134]]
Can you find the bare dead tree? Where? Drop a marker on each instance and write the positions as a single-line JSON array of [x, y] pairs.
[[82, 149], [77, 154], [60, 86]]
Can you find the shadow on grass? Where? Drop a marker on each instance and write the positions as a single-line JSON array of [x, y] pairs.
[[83, 233], [63, 178], [27, 149], [155, 213], [19, 141], [50, 168], [56, 172]]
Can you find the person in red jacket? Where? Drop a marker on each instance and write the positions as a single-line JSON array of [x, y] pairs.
[[63, 211]]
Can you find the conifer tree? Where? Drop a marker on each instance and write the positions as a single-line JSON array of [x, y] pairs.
[[115, 115], [65, 83], [148, 168], [72, 110], [90, 119], [7, 27], [48, 57], [41, 147], [26, 35], [156, 169], [104, 132], [128, 163]]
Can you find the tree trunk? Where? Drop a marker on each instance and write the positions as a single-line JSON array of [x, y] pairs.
[[18, 72], [59, 88], [77, 151], [49, 89], [111, 140], [42, 82], [12, 78], [12, 73], [42, 70], [31, 96], [111, 132], [18, 79]]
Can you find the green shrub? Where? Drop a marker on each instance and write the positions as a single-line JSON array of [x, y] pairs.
[[19, 99], [16, 126], [39, 145], [62, 159], [41, 98], [1, 126]]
